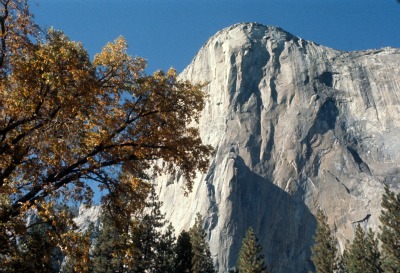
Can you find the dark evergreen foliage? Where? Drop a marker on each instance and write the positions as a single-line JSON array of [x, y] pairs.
[[105, 257], [390, 231], [324, 249], [36, 251], [165, 260], [148, 236], [137, 245], [363, 255], [184, 253], [201, 260], [250, 258]]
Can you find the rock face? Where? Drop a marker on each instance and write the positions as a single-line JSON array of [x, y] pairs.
[[86, 216], [295, 126]]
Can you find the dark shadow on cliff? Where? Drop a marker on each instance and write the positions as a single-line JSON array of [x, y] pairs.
[[282, 222]]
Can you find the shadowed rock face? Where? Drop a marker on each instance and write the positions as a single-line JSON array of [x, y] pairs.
[[295, 126]]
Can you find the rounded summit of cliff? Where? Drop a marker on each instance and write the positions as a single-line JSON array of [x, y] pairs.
[[241, 34], [245, 40], [256, 30]]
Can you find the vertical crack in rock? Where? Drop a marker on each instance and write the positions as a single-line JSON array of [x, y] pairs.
[[212, 221], [254, 58]]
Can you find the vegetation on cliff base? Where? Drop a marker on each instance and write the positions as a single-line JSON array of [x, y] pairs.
[[390, 231], [363, 254], [68, 123], [324, 250], [151, 245]]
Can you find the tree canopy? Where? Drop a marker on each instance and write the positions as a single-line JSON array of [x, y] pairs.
[[250, 258], [324, 250], [390, 231], [201, 260], [184, 253], [67, 122], [363, 254]]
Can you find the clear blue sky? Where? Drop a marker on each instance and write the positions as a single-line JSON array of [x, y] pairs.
[[170, 32]]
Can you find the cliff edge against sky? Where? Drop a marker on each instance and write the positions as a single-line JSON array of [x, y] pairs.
[[295, 126]]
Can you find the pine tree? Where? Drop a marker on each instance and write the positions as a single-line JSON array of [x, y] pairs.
[[105, 256], [324, 249], [201, 260], [164, 262], [135, 245], [373, 253], [148, 236], [390, 231], [363, 255], [340, 267], [250, 258], [184, 253]]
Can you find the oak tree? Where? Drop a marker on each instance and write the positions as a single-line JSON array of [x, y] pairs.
[[46, 258], [67, 122]]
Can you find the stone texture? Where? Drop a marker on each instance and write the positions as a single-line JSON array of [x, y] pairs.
[[295, 126], [86, 216]]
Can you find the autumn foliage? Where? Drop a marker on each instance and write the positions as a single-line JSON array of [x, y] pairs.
[[67, 122]]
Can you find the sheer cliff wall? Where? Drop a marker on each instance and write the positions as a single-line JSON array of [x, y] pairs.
[[295, 126]]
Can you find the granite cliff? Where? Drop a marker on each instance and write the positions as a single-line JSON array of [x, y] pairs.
[[295, 126]]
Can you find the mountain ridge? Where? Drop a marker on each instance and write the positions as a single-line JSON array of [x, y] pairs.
[[295, 126]]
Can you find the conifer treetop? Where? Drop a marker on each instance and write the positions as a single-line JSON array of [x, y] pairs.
[[250, 258]]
